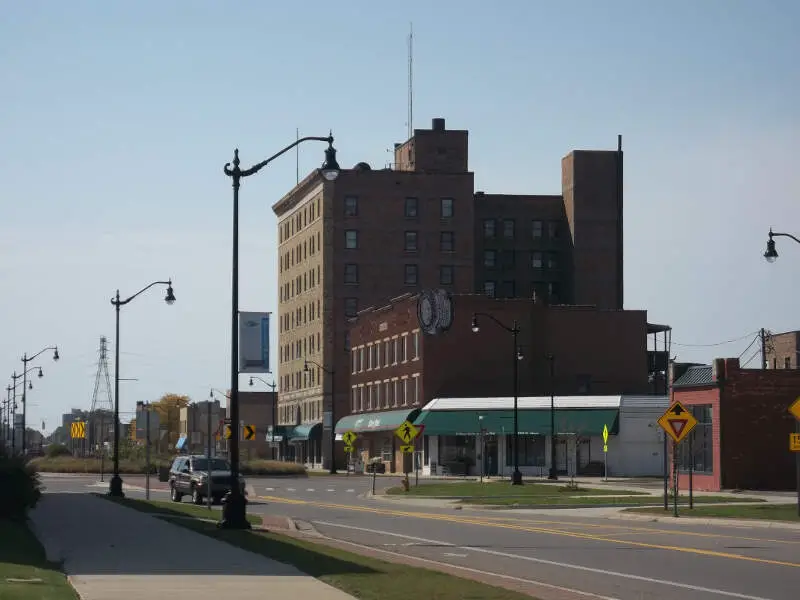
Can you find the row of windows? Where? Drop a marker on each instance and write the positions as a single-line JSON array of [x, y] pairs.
[[410, 207], [310, 410], [509, 226], [379, 395], [300, 252], [302, 283], [410, 274], [302, 315], [447, 240], [539, 260], [300, 348], [302, 219], [508, 289], [385, 353], [301, 379]]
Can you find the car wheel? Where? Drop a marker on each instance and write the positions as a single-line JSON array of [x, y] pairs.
[[174, 494], [197, 497]]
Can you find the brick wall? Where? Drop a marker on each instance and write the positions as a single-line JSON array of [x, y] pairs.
[[703, 482]]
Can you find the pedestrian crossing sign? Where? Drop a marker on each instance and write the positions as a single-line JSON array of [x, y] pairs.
[[407, 432]]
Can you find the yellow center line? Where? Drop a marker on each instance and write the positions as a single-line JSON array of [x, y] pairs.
[[557, 532]]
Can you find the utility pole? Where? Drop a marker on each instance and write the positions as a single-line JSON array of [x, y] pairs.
[[147, 452], [763, 334], [208, 450]]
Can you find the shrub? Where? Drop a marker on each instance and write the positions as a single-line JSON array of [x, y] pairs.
[[54, 450], [20, 485], [271, 467]]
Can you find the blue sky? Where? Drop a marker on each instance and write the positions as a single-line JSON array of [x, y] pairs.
[[117, 118]]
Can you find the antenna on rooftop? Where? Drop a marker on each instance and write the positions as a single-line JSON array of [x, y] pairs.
[[410, 81]]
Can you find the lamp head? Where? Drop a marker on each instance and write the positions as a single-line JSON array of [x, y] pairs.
[[211, 394], [30, 385], [55, 354], [41, 374], [330, 168], [305, 366], [251, 381], [170, 297], [520, 355], [475, 328], [771, 254]]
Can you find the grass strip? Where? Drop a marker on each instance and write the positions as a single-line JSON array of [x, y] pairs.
[[25, 573], [766, 512], [361, 576], [597, 501]]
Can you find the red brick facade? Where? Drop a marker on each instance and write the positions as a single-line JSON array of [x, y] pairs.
[[751, 426]]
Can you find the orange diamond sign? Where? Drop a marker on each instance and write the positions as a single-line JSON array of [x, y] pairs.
[[677, 422], [795, 408]]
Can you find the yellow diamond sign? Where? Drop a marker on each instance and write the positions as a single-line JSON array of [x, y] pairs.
[[795, 408], [677, 422], [348, 437], [407, 432]]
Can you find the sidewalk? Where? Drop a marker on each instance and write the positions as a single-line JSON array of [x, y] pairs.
[[110, 551]]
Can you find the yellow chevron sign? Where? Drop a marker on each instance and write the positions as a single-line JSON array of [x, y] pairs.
[[78, 430]]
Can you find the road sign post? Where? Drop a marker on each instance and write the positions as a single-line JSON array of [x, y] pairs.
[[407, 433], [605, 452], [677, 423], [349, 438]]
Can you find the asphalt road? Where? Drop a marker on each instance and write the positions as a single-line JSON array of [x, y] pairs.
[[567, 554]]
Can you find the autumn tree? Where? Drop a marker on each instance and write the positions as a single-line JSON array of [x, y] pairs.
[[168, 408]]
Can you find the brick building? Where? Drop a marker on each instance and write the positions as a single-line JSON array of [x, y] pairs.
[[395, 369], [373, 234], [742, 438], [783, 350]]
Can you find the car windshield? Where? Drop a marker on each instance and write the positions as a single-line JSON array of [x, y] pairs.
[[201, 464]]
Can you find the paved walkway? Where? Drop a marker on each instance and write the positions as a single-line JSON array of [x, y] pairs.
[[110, 551]]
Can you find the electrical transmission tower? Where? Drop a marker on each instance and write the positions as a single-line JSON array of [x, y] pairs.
[[101, 416]]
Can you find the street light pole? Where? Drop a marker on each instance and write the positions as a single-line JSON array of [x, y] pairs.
[[332, 373], [272, 385], [115, 485], [516, 476], [25, 360], [234, 510], [26, 385], [771, 255], [553, 468]]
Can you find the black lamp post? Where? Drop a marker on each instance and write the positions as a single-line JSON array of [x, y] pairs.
[[272, 386], [234, 510], [25, 360], [516, 476], [115, 485], [26, 385], [771, 255], [553, 468], [332, 373]]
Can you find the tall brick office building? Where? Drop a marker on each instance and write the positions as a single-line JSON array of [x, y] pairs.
[[374, 234]]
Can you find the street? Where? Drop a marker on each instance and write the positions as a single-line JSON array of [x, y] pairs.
[[589, 557]]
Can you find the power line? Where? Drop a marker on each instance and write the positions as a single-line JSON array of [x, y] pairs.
[[755, 339], [739, 339]]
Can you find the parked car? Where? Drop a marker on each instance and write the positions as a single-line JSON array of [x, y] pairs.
[[193, 476]]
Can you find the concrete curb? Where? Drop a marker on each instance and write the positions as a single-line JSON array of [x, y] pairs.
[[717, 521]]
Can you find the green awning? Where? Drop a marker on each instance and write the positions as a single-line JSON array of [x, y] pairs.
[[588, 422], [302, 433], [378, 421]]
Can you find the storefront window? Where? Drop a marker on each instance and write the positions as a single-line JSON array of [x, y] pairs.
[[697, 448], [531, 450], [457, 449]]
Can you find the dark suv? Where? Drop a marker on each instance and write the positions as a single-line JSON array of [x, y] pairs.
[[189, 475]]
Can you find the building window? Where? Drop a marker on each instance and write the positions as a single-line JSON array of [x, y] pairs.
[[553, 291], [552, 260], [415, 345], [489, 288], [411, 208], [361, 364], [787, 363], [488, 228], [531, 450], [508, 228], [351, 206], [411, 241], [411, 275], [700, 439], [537, 260], [350, 307], [446, 275], [447, 208], [536, 229], [351, 239], [509, 289], [351, 273], [553, 229], [489, 258], [376, 356], [353, 401], [403, 348], [447, 241]]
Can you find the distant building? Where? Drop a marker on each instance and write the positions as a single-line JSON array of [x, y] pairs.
[[783, 350], [195, 429]]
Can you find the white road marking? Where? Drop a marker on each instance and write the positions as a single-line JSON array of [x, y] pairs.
[[685, 586], [270, 489], [351, 491], [467, 569], [310, 489], [454, 554], [331, 490]]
